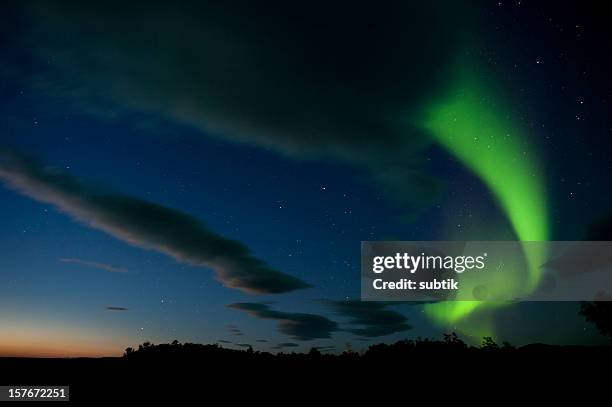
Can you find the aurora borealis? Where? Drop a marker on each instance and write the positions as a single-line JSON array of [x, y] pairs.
[[476, 126], [207, 172]]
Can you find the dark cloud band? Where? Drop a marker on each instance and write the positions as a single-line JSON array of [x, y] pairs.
[[371, 319], [146, 224], [299, 326], [319, 80]]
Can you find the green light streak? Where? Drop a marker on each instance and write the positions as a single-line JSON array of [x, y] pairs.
[[474, 125]]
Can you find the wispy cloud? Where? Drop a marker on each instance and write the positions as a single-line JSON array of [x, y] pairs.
[[94, 264], [146, 224], [284, 345], [234, 330], [327, 348], [111, 308]]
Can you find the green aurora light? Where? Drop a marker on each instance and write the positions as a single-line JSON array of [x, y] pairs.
[[473, 124]]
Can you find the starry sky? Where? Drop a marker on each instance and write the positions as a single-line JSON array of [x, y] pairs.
[[206, 173]]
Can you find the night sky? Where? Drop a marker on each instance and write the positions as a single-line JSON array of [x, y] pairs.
[[206, 173]]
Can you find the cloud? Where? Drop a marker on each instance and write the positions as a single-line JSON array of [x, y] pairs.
[[111, 308], [288, 345], [234, 330], [261, 340], [94, 264], [284, 345], [223, 341], [147, 225], [318, 80], [298, 326], [372, 319]]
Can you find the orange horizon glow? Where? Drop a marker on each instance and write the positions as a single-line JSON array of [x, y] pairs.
[[50, 351], [45, 340]]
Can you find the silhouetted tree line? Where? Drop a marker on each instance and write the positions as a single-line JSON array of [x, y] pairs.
[[451, 343]]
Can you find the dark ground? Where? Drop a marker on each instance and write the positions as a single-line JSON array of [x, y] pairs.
[[204, 372]]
